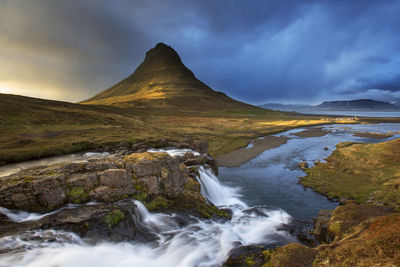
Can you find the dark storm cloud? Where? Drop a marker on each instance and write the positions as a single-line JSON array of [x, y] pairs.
[[257, 51]]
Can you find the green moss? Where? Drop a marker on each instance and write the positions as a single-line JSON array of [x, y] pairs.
[[267, 254], [78, 194], [249, 261], [141, 197], [159, 203], [114, 217]]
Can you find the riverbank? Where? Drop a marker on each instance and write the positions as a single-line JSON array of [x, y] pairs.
[[256, 147], [363, 230], [360, 172]]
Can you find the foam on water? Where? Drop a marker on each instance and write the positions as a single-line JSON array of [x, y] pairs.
[[24, 216]]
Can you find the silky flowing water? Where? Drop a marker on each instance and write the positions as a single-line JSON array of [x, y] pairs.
[[263, 195]]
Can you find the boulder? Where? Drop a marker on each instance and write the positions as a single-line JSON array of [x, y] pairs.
[[115, 177]]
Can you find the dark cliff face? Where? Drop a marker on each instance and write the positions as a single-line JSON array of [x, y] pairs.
[[366, 104]]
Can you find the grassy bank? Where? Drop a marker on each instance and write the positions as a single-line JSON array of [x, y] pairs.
[[362, 172]]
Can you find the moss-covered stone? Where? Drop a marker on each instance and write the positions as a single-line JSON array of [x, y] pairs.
[[78, 195], [160, 203], [114, 217]]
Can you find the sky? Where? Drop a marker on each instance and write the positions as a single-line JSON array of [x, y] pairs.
[[257, 51]]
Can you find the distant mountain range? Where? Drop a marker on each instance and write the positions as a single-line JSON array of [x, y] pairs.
[[347, 105], [285, 107], [359, 104]]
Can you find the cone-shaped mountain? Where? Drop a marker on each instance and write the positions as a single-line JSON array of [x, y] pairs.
[[162, 80]]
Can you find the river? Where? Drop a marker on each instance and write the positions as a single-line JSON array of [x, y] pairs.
[[263, 195]]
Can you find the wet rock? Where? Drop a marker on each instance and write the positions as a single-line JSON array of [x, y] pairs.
[[142, 175], [111, 194], [158, 173], [87, 181], [202, 160], [97, 223], [200, 146], [321, 226], [52, 197], [115, 177]]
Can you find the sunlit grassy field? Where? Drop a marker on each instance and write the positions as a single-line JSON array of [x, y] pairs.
[[33, 128]]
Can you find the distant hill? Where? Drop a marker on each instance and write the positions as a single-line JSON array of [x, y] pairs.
[[349, 105], [162, 80], [22, 112], [285, 107], [359, 104]]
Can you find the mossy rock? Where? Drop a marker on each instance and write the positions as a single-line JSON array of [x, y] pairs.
[[114, 217], [160, 203], [78, 195]]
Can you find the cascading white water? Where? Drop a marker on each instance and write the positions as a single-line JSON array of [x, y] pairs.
[[202, 243], [215, 192], [24, 216]]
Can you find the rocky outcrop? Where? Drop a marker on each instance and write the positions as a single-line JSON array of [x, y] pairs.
[[321, 226], [143, 176], [345, 217]]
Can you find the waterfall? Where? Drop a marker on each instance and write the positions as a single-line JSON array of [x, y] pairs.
[[218, 194], [200, 243]]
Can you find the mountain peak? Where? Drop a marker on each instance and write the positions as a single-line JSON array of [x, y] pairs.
[[162, 55], [163, 81]]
